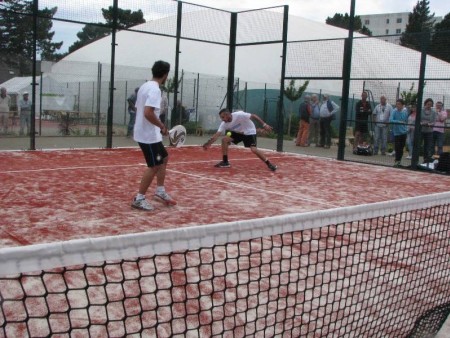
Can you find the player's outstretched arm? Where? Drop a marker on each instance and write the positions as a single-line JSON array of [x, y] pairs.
[[211, 140]]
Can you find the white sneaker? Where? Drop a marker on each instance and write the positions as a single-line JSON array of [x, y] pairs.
[[165, 197], [142, 204]]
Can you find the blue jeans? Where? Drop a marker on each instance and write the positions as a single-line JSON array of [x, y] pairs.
[[410, 141], [131, 123], [438, 140], [380, 138], [25, 117]]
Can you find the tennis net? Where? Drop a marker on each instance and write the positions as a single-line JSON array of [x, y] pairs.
[[378, 270]]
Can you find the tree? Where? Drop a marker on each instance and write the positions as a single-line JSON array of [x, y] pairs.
[[90, 33], [16, 34], [293, 94], [419, 21], [343, 21], [440, 42], [410, 96]]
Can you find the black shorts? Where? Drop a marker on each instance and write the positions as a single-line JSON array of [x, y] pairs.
[[249, 140], [154, 153]]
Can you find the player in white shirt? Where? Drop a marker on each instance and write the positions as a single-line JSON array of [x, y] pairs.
[[238, 127], [148, 131]]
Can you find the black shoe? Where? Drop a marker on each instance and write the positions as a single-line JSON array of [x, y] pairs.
[[223, 164], [271, 166]]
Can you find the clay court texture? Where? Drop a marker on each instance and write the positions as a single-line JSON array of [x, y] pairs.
[[59, 195]]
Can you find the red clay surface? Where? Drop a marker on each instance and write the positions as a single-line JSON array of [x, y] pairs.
[[48, 196]]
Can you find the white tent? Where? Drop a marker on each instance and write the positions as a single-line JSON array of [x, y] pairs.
[[262, 63], [314, 50], [55, 95]]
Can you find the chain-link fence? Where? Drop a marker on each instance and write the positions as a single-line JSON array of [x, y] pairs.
[[85, 94]]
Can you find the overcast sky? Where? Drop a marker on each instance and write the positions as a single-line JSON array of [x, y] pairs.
[[311, 9]]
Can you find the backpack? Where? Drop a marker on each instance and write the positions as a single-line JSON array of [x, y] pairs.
[[444, 163], [330, 109]]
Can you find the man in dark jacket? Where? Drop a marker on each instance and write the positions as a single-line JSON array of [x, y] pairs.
[[303, 126]]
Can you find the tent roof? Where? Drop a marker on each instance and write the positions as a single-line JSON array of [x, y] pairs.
[[18, 85], [307, 57]]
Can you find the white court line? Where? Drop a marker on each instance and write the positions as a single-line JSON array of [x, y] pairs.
[[114, 166], [68, 168], [251, 187], [239, 185]]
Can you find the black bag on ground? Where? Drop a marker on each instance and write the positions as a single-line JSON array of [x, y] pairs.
[[443, 163], [365, 150]]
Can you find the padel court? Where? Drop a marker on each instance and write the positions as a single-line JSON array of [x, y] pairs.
[[49, 196], [245, 252]]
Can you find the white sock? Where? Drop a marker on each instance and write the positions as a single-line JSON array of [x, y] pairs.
[[160, 189], [140, 197]]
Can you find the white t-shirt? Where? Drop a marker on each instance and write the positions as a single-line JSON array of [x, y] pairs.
[[149, 95], [240, 123], [5, 102]]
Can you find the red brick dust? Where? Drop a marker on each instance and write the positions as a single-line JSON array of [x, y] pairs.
[[57, 195]]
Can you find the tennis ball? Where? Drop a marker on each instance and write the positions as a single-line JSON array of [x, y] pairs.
[[229, 133]]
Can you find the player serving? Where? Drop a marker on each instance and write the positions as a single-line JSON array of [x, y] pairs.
[[238, 127]]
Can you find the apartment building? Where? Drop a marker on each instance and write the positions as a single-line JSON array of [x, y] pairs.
[[388, 26]]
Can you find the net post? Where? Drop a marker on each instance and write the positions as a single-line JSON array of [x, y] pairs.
[[231, 61], [280, 124], [346, 73]]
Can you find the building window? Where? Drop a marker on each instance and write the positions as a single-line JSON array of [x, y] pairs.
[[399, 20], [398, 31], [387, 20], [367, 22], [387, 31]]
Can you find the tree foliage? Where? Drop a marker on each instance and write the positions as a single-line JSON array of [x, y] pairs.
[[410, 96], [420, 21], [90, 33], [293, 94], [16, 34], [343, 21], [440, 42]]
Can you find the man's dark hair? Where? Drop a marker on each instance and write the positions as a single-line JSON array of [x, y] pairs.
[[428, 100], [401, 101], [160, 68], [224, 110]]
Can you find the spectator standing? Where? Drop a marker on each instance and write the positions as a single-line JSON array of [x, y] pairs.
[[399, 120], [303, 125], [427, 120], [381, 115], [164, 107], [411, 128], [5, 104], [132, 111], [438, 129], [314, 124], [178, 115], [25, 113], [362, 113], [328, 110]]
